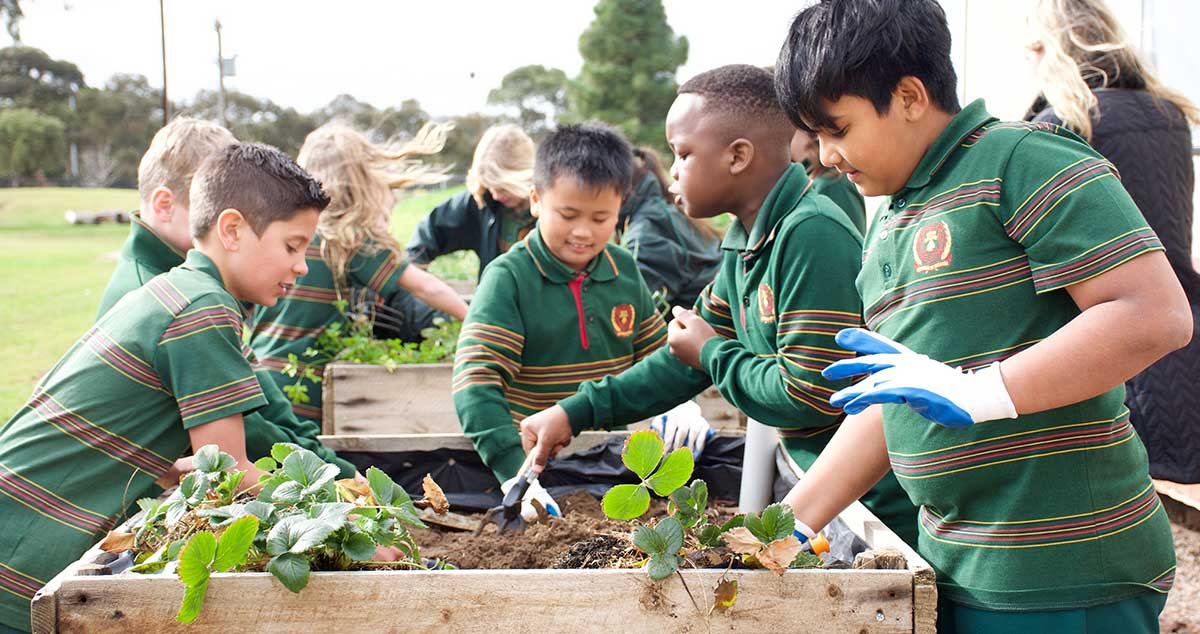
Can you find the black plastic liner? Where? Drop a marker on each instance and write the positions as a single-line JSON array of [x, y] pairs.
[[470, 486]]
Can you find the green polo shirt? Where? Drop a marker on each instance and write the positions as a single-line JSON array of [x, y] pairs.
[[536, 329], [146, 255], [111, 417], [293, 324], [968, 264], [784, 290], [840, 190]]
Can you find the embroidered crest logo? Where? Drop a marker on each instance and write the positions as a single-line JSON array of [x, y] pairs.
[[623, 318], [931, 247], [766, 304]]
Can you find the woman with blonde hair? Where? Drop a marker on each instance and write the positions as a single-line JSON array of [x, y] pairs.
[[1094, 82], [352, 253], [493, 214]]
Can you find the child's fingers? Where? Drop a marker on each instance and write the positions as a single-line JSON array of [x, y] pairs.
[[867, 342], [861, 365]]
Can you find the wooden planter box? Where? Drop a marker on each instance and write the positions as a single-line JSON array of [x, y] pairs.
[[363, 399], [491, 601]]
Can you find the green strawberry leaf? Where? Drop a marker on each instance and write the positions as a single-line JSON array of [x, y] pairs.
[[235, 542], [196, 558], [291, 570], [626, 501], [675, 470], [643, 450]]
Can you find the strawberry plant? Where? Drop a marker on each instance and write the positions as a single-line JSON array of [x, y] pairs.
[[352, 341], [301, 519]]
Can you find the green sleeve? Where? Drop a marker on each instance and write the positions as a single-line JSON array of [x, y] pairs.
[[489, 357], [817, 262], [656, 382], [451, 226], [276, 422], [1066, 206], [200, 357]]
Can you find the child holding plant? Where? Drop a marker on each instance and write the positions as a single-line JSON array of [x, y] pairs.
[[1012, 256], [159, 239], [762, 331], [352, 249], [563, 306], [160, 373], [493, 214]]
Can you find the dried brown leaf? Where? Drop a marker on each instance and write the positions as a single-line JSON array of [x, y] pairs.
[[780, 554], [434, 495], [352, 489], [116, 542], [741, 541], [724, 594]]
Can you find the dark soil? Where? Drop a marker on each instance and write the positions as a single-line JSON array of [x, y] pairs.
[[1182, 614], [583, 538]]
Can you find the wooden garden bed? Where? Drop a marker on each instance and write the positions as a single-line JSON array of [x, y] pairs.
[[416, 399], [491, 601]]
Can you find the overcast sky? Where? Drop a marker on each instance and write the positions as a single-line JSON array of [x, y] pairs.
[[448, 54]]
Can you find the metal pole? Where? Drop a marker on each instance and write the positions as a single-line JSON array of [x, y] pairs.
[[221, 74], [162, 26]]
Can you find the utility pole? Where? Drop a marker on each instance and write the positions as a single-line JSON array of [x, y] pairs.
[[162, 27], [221, 73]]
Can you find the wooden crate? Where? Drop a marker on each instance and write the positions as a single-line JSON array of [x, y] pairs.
[[491, 601], [416, 399]]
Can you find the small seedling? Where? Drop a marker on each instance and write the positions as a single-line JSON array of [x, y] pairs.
[[766, 540], [642, 455]]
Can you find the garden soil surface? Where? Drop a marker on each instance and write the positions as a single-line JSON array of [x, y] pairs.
[[605, 542]]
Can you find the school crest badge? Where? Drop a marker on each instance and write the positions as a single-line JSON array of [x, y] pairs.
[[931, 247], [623, 318], [766, 304]]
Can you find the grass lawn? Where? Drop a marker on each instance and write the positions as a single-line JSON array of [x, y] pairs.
[[53, 273]]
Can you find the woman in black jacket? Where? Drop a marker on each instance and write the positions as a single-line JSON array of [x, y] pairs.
[[1094, 82]]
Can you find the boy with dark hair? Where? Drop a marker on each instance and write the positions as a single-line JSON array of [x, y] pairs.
[[561, 307], [1011, 255], [160, 373], [159, 238], [762, 331]]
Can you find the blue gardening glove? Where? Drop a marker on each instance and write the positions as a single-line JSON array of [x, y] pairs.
[[535, 492], [944, 395], [683, 426]]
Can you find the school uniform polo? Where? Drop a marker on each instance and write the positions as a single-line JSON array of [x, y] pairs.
[[841, 191], [535, 330], [111, 417], [293, 324], [784, 290], [146, 255], [461, 224], [675, 258], [969, 263]]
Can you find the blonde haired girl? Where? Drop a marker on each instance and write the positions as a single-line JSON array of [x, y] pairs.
[[352, 252], [493, 214], [1096, 83]]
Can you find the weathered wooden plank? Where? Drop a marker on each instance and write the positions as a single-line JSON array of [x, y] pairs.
[[416, 399], [489, 601], [1182, 501]]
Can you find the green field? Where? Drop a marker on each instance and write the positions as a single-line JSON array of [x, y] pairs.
[[53, 273]]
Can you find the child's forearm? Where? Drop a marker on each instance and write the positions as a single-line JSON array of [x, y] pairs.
[[1132, 316], [855, 460], [433, 291]]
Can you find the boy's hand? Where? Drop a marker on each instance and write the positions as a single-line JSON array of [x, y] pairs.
[[544, 434], [940, 393], [172, 476], [687, 334]]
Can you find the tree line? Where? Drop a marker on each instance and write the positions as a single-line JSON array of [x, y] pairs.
[[56, 129]]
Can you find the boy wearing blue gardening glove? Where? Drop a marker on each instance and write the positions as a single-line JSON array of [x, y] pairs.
[[1010, 288], [764, 329]]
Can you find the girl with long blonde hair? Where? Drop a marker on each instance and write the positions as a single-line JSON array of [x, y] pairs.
[[493, 214], [1095, 82], [353, 254]]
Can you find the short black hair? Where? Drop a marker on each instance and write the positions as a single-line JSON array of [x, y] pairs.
[[744, 93], [593, 153], [258, 180], [863, 48]]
